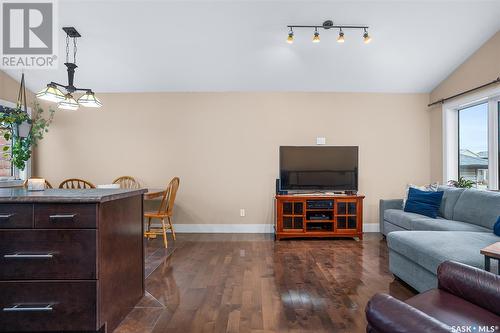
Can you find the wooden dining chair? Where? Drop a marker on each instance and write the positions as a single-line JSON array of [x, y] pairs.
[[75, 183], [47, 184], [127, 182], [165, 212]]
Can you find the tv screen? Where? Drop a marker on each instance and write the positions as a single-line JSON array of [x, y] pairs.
[[319, 168]]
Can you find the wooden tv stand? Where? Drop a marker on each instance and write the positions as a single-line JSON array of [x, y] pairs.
[[298, 215]]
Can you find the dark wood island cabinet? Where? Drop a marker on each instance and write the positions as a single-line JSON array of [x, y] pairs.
[[70, 260]]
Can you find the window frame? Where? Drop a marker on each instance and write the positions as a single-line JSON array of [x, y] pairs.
[[482, 102], [450, 123], [19, 176]]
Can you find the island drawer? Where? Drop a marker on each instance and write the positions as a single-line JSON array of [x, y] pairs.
[[47, 254], [16, 216], [65, 216], [48, 306]]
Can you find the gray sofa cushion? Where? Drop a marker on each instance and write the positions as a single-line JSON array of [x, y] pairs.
[[401, 218], [430, 248], [478, 207], [445, 225], [450, 198], [389, 227]]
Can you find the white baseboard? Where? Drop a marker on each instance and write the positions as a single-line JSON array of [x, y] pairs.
[[225, 228], [371, 227], [244, 228]]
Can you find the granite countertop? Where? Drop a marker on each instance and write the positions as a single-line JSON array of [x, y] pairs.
[[12, 195]]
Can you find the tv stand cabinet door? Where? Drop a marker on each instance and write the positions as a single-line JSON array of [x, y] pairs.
[[291, 215], [346, 215]]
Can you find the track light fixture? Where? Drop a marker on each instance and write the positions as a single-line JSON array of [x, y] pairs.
[[330, 25], [290, 38], [316, 36]]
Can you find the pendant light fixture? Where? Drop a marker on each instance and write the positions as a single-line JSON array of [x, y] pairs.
[[327, 25], [67, 101]]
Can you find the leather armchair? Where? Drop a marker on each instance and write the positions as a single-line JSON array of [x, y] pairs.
[[466, 296]]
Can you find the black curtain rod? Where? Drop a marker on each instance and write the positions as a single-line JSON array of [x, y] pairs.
[[441, 101]]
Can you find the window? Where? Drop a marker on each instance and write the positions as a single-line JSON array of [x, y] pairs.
[[471, 141], [473, 144]]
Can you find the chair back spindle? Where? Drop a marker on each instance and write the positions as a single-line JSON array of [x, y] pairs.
[[127, 182], [75, 183], [168, 199]]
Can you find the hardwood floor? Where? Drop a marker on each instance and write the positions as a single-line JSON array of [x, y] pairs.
[[250, 283]]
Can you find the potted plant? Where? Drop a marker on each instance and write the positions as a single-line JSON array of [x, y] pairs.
[[462, 183], [23, 131]]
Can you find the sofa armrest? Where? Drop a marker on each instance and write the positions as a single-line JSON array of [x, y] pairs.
[[386, 314], [388, 204], [470, 283]]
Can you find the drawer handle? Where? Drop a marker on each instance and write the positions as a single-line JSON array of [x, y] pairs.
[[6, 216], [62, 216], [28, 256], [29, 308]]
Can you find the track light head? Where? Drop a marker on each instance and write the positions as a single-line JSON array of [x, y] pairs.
[[316, 38], [340, 38], [290, 37], [366, 37]]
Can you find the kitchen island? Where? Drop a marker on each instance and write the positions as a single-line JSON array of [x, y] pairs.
[[70, 260]]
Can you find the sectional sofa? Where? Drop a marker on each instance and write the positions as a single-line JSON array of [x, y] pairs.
[[418, 244]]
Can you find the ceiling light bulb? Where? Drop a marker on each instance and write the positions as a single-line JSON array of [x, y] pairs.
[[51, 94], [290, 38], [366, 37], [89, 100], [340, 38], [316, 37], [69, 103]]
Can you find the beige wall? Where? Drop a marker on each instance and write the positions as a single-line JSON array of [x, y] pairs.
[[482, 67], [224, 146], [9, 88]]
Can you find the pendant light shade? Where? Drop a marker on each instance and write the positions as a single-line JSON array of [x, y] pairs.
[[69, 103], [51, 94], [89, 100]]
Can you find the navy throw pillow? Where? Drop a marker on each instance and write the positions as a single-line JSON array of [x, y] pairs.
[[423, 202], [496, 227]]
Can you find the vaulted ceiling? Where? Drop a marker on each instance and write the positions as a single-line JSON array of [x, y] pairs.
[[137, 46]]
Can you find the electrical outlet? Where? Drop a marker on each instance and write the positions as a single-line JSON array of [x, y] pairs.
[[321, 140], [242, 212]]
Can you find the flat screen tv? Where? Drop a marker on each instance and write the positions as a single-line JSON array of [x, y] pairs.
[[328, 168]]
